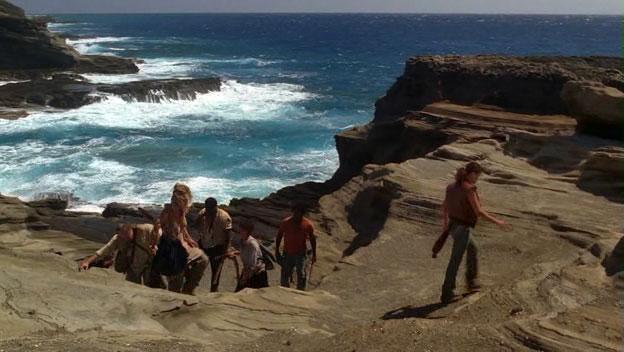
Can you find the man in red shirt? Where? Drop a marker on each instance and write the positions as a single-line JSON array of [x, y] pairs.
[[296, 230]]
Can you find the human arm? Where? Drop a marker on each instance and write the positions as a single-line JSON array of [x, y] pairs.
[[85, 264], [475, 203], [278, 242], [312, 238], [227, 232], [107, 250]]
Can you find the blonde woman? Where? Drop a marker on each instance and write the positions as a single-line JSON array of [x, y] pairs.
[[172, 222]]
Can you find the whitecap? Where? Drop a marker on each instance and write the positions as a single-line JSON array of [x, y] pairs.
[[95, 45], [98, 40], [4, 83], [151, 69], [235, 101]]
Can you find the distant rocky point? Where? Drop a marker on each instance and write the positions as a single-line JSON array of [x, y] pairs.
[[41, 71]]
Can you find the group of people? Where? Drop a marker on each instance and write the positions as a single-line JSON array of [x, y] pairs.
[[141, 248], [164, 254]]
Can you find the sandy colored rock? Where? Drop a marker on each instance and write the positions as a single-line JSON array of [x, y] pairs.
[[599, 108]]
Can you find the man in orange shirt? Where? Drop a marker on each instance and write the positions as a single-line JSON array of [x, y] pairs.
[[296, 230]]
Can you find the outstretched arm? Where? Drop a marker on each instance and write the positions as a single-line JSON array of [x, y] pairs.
[[108, 249], [278, 242], [85, 264], [313, 244], [476, 207]]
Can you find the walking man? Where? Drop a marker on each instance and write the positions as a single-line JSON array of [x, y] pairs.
[[461, 210], [296, 231], [215, 227]]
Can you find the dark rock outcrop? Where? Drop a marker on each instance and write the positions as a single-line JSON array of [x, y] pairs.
[[105, 64], [8, 9], [614, 262], [64, 91], [158, 90], [26, 44], [70, 91]]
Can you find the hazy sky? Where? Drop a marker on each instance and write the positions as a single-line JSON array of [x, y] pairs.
[[614, 7]]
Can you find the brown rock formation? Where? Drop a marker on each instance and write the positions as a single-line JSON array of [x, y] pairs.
[[26, 44], [599, 108], [524, 84]]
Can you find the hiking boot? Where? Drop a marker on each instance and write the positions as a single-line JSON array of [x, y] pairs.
[[447, 297], [473, 286]]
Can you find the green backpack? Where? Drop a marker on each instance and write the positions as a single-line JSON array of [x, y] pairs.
[[123, 261]]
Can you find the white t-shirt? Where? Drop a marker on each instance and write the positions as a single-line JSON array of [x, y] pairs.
[[251, 254]]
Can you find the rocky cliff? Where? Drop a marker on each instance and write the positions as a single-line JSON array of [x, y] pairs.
[[531, 85], [47, 71], [375, 286], [26, 44]]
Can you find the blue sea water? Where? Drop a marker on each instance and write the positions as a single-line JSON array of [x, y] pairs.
[[291, 82]]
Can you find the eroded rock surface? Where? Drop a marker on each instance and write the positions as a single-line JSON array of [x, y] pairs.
[[525, 84]]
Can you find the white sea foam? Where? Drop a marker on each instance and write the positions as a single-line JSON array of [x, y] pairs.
[[98, 40], [168, 67], [96, 45], [86, 208], [3, 83], [235, 101]]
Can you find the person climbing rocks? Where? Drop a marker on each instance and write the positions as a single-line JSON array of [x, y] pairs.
[[172, 221], [296, 230], [215, 227], [133, 247], [254, 273], [461, 210]]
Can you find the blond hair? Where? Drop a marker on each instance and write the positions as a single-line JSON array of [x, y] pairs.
[[180, 190]]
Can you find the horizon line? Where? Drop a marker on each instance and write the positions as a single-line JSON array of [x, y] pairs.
[[324, 13]]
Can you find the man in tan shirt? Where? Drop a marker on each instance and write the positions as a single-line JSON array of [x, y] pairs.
[[215, 227], [138, 242]]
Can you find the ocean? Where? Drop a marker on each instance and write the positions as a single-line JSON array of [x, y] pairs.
[[291, 82]]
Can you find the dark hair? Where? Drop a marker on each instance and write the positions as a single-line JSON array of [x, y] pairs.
[[463, 172], [299, 207], [210, 202], [247, 225]]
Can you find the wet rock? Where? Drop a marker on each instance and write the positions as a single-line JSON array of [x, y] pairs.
[[156, 91], [70, 91], [105, 64]]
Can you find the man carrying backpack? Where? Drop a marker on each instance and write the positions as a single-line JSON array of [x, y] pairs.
[[215, 227], [133, 248], [254, 273]]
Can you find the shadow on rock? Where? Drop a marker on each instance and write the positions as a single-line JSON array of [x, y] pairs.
[[367, 216], [422, 312]]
